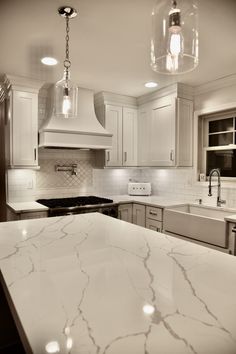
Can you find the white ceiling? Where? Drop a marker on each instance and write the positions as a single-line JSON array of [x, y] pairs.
[[110, 42]]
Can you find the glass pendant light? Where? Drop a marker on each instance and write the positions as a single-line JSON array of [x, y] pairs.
[[66, 92], [174, 43]]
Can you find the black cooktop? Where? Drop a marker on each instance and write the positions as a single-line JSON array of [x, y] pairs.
[[73, 202]]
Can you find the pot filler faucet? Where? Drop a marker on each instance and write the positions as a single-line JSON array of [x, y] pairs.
[[218, 185]]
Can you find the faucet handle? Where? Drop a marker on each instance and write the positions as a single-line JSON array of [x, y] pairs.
[[199, 200], [222, 201]]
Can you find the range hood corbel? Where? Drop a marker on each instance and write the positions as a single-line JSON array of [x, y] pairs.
[[81, 132]]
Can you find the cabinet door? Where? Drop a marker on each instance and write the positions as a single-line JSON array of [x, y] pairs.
[[184, 132], [24, 129], [125, 212], [162, 133], [129, 137], [144, 118], [114, 126], [139, 214]]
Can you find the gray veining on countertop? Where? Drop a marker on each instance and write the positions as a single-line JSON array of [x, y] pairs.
[[92, 284]]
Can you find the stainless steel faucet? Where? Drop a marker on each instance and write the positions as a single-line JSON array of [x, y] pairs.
[[218, 185]]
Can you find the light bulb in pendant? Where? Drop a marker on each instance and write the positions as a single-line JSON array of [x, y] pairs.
[[174, 39], [175, 47], [66, 104]]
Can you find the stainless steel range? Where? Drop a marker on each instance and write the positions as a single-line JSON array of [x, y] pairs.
[[80, 205]]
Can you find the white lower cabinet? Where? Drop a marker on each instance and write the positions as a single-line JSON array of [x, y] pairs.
[[154, 217], [11, 216], [125, 212], [154, 225], [142, 215], [139, 214]]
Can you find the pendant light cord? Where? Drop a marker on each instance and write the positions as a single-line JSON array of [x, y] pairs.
[[67, 62]]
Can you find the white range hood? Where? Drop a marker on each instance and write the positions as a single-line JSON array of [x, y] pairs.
[[83, 131]]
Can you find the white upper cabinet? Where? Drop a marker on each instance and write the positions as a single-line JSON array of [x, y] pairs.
[[184, 143], [165, 132], [130, 126], [114, 126], [119, 119], [24, 129], [162, 133], [22, 123]]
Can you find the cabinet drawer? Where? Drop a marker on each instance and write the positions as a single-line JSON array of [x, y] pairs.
[[154, 213], [153, 225]]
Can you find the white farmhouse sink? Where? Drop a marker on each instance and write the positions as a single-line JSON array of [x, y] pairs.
[[199, 222]]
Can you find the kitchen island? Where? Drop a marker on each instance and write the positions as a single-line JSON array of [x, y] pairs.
[[93, 284]]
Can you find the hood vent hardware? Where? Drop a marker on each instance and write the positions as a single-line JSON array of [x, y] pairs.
[[67, 168]]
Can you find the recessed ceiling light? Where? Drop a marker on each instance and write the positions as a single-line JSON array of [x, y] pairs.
[[49, 61], [151, 84]]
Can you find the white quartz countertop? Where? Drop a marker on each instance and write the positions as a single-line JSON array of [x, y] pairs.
[[152, 200], [162, 202], [21, 207], [231, 218], [87, 284]]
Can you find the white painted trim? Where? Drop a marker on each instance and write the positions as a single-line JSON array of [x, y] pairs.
[[197, 114], [180, 90], [214, 85], [115, 99], [165, 91], [22, 83]]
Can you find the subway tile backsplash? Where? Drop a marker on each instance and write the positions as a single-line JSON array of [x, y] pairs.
[[175, 184]]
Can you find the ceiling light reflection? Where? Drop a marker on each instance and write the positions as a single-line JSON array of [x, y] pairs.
[[148, 309], [24, 232], [69, 343], [52, 347]]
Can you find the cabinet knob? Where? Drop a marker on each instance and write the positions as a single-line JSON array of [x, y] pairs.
[[125, 156], [35, 154], [108, 156]]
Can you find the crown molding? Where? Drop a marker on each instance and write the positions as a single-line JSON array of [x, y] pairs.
[[21, 83], [215, 85], [114, 99], [178, 89]]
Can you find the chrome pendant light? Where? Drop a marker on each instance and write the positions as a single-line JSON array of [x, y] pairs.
[[66, 92], [174, 42]]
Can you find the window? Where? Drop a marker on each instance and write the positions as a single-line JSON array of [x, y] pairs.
[[219, 143]]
